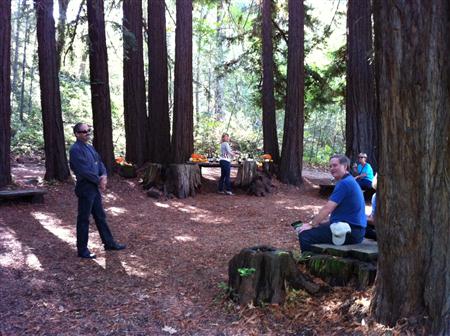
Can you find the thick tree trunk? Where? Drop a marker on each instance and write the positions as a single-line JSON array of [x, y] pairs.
[[268, 99], [183, 123], [5, 92], [292, 153], [246, 174], [98, 64], [362, 120], [134, 83], [413, 78], [158, 96], [56, 166]]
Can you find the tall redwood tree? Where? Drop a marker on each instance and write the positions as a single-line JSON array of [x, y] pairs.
[[412, 49], [100, 96], [268, 99], [5, 92], [158, 96], [292, 152], [362, 120], [56, 166], [134, 83], [183, 119]]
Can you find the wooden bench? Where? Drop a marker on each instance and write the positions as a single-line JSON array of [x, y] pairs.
[[29, 195]]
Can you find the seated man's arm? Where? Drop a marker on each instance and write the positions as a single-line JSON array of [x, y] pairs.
[[323, 214]]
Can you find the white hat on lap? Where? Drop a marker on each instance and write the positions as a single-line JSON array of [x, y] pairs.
[[339, 232]]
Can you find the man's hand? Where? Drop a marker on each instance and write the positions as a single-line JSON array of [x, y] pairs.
[[103, 182]]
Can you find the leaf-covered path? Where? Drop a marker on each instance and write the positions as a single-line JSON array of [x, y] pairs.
[[168, 278]]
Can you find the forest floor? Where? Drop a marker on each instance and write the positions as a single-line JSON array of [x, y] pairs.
[[170, 278]]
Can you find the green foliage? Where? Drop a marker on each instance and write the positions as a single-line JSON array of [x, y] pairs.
[[246, 272]]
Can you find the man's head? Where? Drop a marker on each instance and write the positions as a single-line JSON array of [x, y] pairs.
[[339, 165], [82, 132]]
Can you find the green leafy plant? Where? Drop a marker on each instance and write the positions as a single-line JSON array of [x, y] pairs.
[[246, 272]]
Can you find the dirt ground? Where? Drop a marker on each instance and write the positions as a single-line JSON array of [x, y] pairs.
[[170, 278]]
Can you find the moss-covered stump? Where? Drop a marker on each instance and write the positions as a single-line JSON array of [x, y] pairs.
[[259, 275], [339, 271], [245, 175], [153, 176]]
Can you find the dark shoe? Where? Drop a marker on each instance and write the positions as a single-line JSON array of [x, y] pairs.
[[114, 247], [87, 255]]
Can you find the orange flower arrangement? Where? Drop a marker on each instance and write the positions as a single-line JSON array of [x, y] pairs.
[[121, 161], [198, 158]]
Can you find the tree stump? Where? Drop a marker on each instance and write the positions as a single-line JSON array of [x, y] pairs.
[[246, 174], [153, 176], [183, 180], [259, 275], [261, 185]]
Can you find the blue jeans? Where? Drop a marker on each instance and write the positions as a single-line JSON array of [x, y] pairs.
[[364, 184], [91, 203], [322, 235], [225, 171]]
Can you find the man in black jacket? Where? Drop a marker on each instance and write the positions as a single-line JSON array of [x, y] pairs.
[[91, 175]]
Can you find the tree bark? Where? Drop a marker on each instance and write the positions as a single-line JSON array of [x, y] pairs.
[[56, 166], [24, 66], [292, 153], [100, 96], [158, 96], [183, 119], [413, 78], [362, 119], [134, 83], [15, 66], [268, 99], [5, 92]]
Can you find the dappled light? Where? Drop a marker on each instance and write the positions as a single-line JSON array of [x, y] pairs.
[[14, 254], [185, 238], [115, 211], [51, 223]]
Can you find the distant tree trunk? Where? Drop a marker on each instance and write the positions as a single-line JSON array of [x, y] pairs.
[[5, 92], [183, 137], [413, 79], [158, 92], [362, 121], [30, 89], [98, 65], [24, 67], [268, 99], [63, 4], [292, 153], [20, 9], [134, 83], [55, 152], [219, 71]]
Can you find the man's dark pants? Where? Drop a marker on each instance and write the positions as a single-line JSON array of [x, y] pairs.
[[91, 203]]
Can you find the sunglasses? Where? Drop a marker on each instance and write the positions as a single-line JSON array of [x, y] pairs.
[[361, 157], [84, 132]]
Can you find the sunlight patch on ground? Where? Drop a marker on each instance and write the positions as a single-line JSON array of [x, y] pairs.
[[110, 196], [14, 254], [162, 205], [200, 215], [309, 208], [115, 211], [185, 238], [134, 270], [53, 224]]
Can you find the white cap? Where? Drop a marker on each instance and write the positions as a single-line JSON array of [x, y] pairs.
[[339, 231]]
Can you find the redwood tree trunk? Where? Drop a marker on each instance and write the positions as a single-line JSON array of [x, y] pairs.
[[98, 64], [362, 120], [5, 92], [183, 119], [158, 96], [268, 99], [292, 153], [134, 83], [55, 152], [413, 80], [63, 4]]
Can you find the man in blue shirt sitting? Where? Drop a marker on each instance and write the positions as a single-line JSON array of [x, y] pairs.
[[346, 207], [91, 175]]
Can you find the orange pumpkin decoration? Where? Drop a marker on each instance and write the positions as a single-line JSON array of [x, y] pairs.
[[266, 157]]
